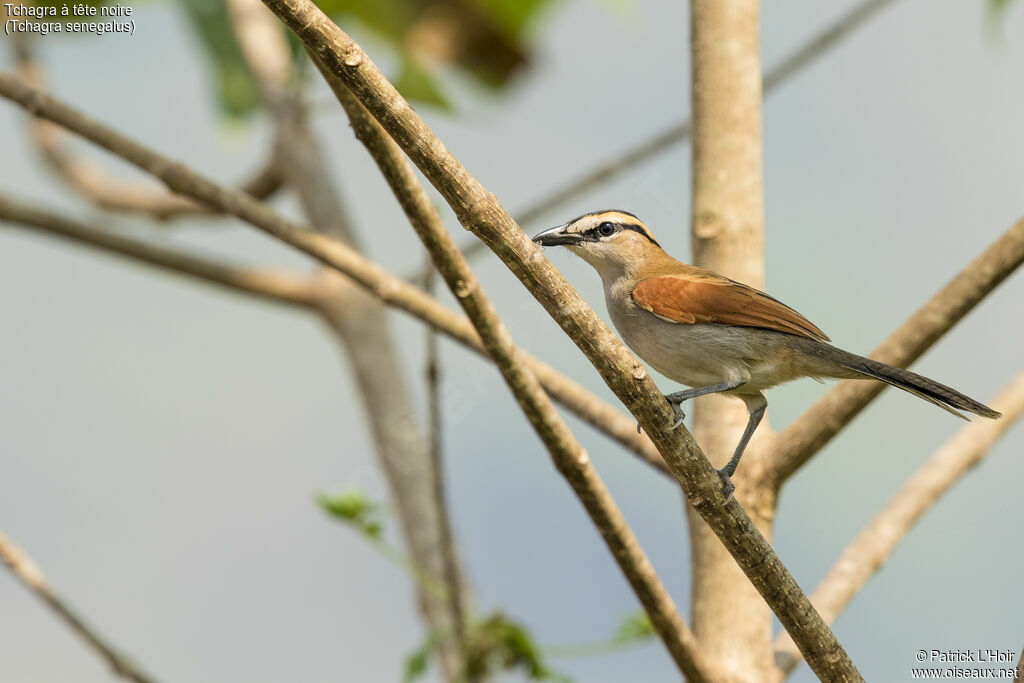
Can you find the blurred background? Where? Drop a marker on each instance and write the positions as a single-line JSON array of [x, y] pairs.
[[162, 442]]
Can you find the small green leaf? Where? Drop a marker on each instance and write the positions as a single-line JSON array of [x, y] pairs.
[[634, 628], [237, 92], [499, 644], [416, 662], [353, 507], [997, 12], [418, 85], [512, 15]]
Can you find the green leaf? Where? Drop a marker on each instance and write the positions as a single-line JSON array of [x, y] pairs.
[[416, 662], [353, 507], [416, 84], [512, 16], [997, 12], [634, 628], [388, 18], [484, 38], [499, 644], [236, 89]]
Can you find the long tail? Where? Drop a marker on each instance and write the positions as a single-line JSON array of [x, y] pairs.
[[946, 398]]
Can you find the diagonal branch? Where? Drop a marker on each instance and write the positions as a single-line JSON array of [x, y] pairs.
[[93, 182], [271, 285], [479, 211], [806, 435], [568, 456], [28, 572], [680, 132], [872, 546]]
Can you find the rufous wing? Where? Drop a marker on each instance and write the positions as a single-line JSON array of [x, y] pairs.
[[695, 300]]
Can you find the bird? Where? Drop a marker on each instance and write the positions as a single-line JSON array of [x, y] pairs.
[[717, 335]]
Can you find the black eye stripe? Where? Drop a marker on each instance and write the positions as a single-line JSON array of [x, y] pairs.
[[594, 235], [639, 229]]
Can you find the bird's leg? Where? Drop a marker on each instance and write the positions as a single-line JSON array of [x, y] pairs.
[[756, 405], [676, 399]]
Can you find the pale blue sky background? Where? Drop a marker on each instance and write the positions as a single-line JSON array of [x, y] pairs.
[[161, 442]]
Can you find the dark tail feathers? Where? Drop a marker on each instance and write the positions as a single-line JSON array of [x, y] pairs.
[[930, 390]]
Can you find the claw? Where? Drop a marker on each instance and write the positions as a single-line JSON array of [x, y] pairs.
[[727, 486], [677, 408]]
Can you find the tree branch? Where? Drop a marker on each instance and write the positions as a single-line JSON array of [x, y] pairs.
[[569, 457], [29, 573], [871, 548], [96, 185], [270, 285], [805, 436], [480, 212], [727, 236], [91, 181]]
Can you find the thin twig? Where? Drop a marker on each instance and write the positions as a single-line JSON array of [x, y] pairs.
[[271, 285], [95, 184], [106, 191], [435, 427], [871, 548], [29, 573], [569, 457], [479, 211], [791, 448], [680, 132]]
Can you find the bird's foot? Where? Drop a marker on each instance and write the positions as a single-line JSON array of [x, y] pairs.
[[727, 486], [677, 409]]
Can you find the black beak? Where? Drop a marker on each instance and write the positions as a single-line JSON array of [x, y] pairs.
[[555, 237]]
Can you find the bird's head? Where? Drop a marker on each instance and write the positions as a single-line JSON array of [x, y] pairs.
[[612, 242]]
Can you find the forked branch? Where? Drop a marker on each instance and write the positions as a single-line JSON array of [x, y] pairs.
[[95, 184], [871, 548], [271, 285], [806, 435]]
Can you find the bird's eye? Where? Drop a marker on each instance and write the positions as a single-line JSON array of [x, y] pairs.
[[606, 229]]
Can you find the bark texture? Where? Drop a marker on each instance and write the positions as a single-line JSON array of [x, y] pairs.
[[727, 231]]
